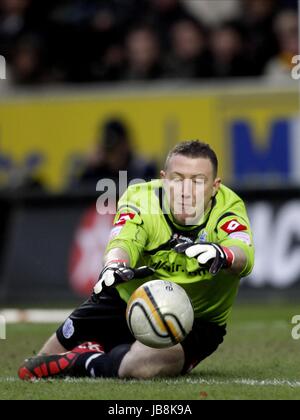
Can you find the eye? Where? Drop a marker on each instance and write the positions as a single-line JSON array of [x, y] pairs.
[[199, 181]]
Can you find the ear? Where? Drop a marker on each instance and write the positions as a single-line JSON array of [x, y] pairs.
[[216, 186], [162, 174]]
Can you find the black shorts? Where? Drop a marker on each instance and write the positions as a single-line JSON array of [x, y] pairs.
[[102, 319]]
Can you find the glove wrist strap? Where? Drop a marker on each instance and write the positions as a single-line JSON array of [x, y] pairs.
[[229, 256], [115, 262]]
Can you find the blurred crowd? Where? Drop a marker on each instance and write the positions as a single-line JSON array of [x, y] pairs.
[[53, 41], [113, 151]]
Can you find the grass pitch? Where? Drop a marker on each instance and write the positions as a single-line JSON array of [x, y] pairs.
[[259, 359]]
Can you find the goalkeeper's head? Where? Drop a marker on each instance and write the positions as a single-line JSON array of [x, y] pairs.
[[191, 180]]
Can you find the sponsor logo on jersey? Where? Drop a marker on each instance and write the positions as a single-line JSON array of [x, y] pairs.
[[115, 232], [123, 218], [241, 236], [68, 329], [178, 268], [203, 236], [233, 226]]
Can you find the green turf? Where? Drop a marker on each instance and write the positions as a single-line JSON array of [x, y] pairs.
[[258, 348]]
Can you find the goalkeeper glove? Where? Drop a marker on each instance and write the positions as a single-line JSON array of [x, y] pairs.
[[208, 254], [117, 272]]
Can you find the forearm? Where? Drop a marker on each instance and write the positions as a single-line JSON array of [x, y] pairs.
[[117, 270], [240, 260], [117, 254]]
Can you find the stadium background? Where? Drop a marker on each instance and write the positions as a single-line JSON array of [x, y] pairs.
[[61, 87], [255, 138], [220, 71], [217, 70]]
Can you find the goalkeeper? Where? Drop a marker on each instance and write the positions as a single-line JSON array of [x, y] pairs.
[[187, 228]]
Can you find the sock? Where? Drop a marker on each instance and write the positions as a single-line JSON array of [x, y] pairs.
[[101, 365]]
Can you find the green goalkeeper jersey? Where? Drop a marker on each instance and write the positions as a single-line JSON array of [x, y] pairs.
[[146, 230]]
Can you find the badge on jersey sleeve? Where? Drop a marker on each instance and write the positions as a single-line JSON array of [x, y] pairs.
[[115, 232], [123, 218], [120, 223], [233, 226], [236, 230]]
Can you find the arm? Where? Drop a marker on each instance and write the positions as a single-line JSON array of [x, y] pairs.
[[127, 242], [232, 249], [117, 254], [122, 256], [117, 270], [240, 260], [215, 256]]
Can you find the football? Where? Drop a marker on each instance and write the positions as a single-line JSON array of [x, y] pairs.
[[160, 314]]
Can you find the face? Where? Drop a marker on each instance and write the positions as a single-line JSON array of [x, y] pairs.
[[187, 40], [117, 158], [226, 43], [142, 49], [190, 184]]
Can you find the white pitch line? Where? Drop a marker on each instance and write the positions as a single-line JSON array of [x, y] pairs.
[[35, 316], [44, 316], [241, 381], [248, 382]]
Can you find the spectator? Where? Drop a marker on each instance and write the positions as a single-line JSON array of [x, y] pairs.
[[163, 14], [14, 19], [114, 153], [109, 67], [228, 57], [257, 18], [109, 26], [143, 55], [27, 62], [99, 40], [68, 28], [286, 29], [189, 57]]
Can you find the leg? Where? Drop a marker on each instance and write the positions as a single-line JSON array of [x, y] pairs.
[[52, 346], [100, 324], [59, 365], [130, 360], [101, 319], [143, 362]]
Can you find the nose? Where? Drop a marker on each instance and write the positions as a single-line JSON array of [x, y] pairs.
[[187, 188]]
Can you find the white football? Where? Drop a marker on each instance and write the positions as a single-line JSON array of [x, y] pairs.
[[160, 314]]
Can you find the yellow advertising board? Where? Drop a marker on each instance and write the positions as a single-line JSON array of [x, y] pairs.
[[61, 126]]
